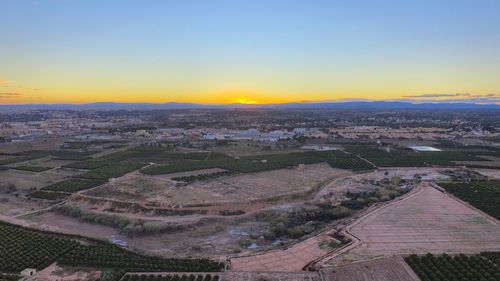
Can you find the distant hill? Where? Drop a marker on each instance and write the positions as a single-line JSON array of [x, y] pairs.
[[297, 105]]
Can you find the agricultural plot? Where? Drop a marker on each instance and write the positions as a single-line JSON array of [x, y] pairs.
[[21, 248], [484, 195], [427, 221], [47, 195], [35, 169], [112, 171], [73, 185], [252, 164], [161, 191], [485, 266], [387, 269], [398, 157], [171, 277], [54, 154], [110, 256], [23, 180]]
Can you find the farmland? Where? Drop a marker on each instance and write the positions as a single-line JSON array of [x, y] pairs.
[[252, 164], [485, 266], [172, 277], [401, 157], [162, 191], [426, 221], [21, 248], [35, 169], [72, 185], [484, 195]]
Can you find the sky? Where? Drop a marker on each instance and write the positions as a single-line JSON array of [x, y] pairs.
[[255, 51]]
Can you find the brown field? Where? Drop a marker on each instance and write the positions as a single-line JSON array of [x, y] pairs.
[[387, 269], [56, 272], [24, 180], [427, 221], [43, 162], [14, 202], [243, 188]]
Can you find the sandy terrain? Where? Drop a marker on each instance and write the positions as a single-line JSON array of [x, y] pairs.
[[387, 269], [292, 259], [427, 221]]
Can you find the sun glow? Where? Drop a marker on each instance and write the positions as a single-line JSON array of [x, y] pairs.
[[245, 101]]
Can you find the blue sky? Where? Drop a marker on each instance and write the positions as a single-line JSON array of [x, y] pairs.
[[262, 51]]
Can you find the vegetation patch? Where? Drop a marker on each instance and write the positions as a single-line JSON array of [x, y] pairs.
[[127, 226], [48, 195], [485, 266], [73, 185], [112, 170], [21, 248], [403, 157], [35, 169], [174, 277], [252, 164], [484, 195]]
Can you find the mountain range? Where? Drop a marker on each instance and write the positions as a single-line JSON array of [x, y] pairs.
[[293, 105]]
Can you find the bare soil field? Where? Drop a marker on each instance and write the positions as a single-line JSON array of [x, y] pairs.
[[386, 269], [161, 191], [292, 259], [15, 185], [427, 221], [56, 272], [24, 180]]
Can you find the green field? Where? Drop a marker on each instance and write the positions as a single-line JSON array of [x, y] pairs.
[[402, 157], [251, 164], [47, 195], [176, 277], [112, 170], [484, 195], [485, 266], [21, 248], [73, 185], [54, 154], [35, 169]]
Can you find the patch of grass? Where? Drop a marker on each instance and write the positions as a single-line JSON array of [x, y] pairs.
[[73, 185], [35, 169], [47, 195]]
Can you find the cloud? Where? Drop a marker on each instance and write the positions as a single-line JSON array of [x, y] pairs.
[[438, 95], [453, 98], [10, 95], [456, 95]]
